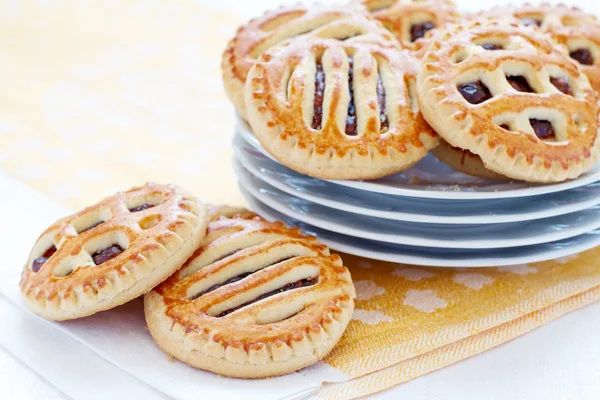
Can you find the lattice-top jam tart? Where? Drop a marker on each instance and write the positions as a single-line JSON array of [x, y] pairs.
[[337, 110], [257, 299], [411, 20], [577, 31], [112, 252], [349, 24], [504, 92]]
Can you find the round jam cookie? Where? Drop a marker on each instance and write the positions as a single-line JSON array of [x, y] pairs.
[[464, 161], [112, 252], [505, 93], [569, 26], [351, 24], [411, 20], [257, 299], [337, 110]]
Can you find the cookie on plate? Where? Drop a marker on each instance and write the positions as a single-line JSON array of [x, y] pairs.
[[578, 31], [112, 252], [351, 23], [411, 20], [505, 93], [464, 161], [337, 110], [257, 299]]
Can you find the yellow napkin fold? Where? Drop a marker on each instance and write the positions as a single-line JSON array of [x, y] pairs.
[[411, 320], [101, 96]]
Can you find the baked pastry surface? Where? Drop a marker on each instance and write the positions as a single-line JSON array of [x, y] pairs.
[[507, 94], [464, 161], [112, 252], [338, 110], [411, 20], [257, 299], [350, 23], [569, 26]]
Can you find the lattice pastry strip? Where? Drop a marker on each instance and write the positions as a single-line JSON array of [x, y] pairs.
[[412, 20], [570, 27], [351, 24], [257, 299], [112, 252], [338, 110], [503, 92]]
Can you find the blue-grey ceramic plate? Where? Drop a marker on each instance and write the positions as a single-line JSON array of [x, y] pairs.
[[436, 257]]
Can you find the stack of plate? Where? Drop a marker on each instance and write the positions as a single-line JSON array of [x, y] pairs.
[[428, 215]]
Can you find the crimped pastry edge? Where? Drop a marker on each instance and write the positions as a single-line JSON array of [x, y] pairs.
[[118, 287], [499, 161], [200, 350], [495, 159], [309, 161], [352, 166], [230, 62]]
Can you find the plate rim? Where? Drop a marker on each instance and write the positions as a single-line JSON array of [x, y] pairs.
[[429, 262], [368, 186], [408, 240], [410, 217]]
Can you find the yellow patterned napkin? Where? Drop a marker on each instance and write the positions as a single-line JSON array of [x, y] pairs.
[[105, 95]]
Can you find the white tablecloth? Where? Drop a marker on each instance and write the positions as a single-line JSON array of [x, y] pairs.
[[558, 361]]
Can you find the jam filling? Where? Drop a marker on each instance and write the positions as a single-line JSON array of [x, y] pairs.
[[504, 126], [218, 285], [318, 102], [102, 256], [542, 128], [143, 207], [40, 261], [384, 123], [519, 83], [562, 84], [419, 30], [475, 92], [234, 279], [490, 46], [351, 117], [295, 285], [584, 56], [531, 21]]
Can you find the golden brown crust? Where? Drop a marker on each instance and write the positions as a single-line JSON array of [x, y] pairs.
[[155, 242], [464, 161], [569, 26], [224, 211], [195, 315], [280, 91], [399, 16], [275, 26], [456, 57]]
